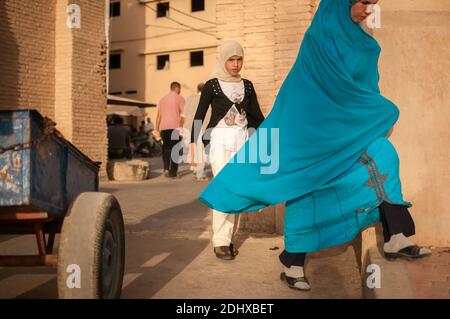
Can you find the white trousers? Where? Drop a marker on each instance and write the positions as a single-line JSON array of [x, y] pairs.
[[223, 224]]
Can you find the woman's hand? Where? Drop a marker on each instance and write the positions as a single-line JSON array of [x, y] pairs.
[[390, 132]]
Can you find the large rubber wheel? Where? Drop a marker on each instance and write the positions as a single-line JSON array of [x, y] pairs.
[[92, 243]]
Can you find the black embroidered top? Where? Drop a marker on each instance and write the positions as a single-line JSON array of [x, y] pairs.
[[213, 95]]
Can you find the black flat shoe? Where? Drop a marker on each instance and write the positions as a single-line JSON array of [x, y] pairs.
[[223, 252], [410, 252], [291, 281], [226, 252], [233, 250]]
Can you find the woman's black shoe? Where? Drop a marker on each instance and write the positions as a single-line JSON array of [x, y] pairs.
[[291, 282], [410, 252]]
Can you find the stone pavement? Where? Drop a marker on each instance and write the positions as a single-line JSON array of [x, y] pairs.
[[427, 278], [430, 277], [169, 255]]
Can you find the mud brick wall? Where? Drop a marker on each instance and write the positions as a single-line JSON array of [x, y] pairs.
[[58, 70]]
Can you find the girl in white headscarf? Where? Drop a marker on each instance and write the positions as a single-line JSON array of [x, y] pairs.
[[235, 112]]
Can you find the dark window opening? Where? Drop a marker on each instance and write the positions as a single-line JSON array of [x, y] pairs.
[[163, 62], [115, 93], [114, 9], [197, 58], [114, 61], [162, 9], [198, 5], [131, 92]]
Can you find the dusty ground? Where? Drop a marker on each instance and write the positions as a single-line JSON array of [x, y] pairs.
[[169, 255]]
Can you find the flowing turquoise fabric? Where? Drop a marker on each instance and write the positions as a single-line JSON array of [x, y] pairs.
[[328, 112], [335, 213]]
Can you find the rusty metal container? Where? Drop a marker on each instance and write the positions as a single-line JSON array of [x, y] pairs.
[[39, 168]]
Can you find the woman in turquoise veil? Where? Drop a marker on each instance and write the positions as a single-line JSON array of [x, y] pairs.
[[332, 163]]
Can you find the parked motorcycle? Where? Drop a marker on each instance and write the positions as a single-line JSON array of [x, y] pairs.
[[147, 146]]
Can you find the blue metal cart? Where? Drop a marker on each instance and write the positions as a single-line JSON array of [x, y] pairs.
[[49, 187]]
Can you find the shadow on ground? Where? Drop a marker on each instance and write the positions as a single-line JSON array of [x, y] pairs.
[[169, 241]]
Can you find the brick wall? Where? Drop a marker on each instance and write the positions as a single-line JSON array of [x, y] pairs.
[[63, 71], [89, 81], [292, 19], [230, 19], [259, 44], [270, 32], [57, 70], [27, 55]]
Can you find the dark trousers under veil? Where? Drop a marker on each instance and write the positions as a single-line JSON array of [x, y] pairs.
[[395, 219]]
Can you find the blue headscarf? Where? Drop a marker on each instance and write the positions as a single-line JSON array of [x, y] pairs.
[[328, 111]]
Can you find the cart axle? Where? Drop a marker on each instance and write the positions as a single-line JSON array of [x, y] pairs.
[[29, 261]]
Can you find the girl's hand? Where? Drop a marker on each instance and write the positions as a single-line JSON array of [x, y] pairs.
[[192, 154]]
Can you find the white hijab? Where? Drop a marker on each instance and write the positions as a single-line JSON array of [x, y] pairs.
[[226, 51]]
